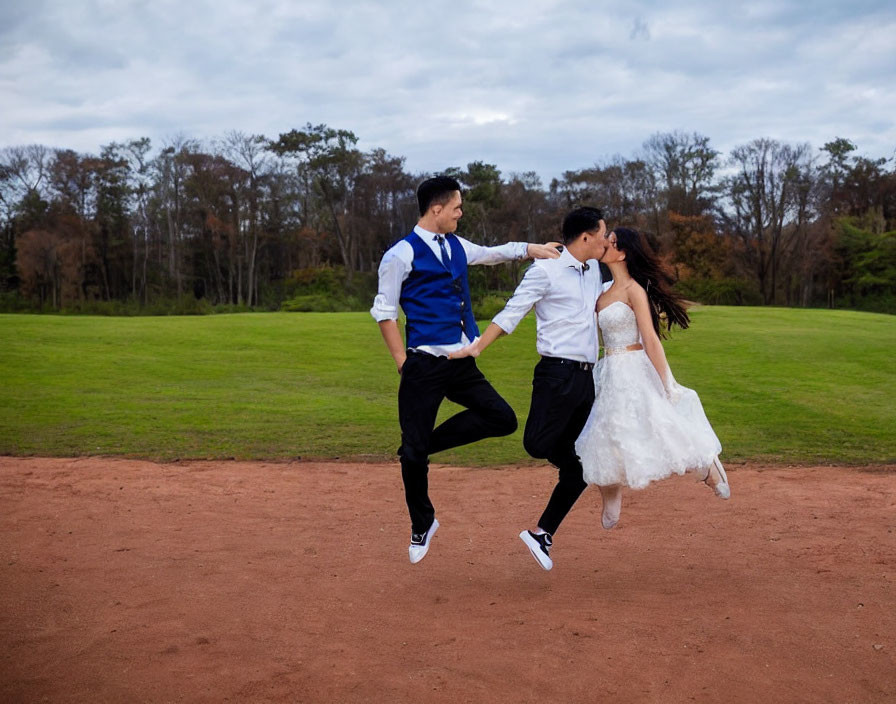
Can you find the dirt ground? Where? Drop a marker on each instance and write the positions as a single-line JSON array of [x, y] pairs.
[[128, 581]]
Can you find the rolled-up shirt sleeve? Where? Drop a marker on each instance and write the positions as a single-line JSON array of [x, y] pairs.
[[531, 289], [477, 254], [394, 269]]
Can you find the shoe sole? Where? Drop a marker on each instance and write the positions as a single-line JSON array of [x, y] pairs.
[[425, 547], [536, 551]]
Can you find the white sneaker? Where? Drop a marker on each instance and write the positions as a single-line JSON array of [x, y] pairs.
[[540, 546], [420, 543]]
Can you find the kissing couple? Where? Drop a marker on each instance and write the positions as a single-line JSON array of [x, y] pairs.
[[620, 422]]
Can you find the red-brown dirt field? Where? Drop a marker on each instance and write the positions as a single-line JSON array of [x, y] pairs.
[[129, 581]]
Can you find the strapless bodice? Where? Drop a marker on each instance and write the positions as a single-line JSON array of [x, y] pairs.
[[618, 325]]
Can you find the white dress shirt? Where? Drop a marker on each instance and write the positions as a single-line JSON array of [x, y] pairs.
[[398, 262], [563, 293]]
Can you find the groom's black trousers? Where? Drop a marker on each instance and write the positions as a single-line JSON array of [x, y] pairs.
[[425, 381], [562, 396]]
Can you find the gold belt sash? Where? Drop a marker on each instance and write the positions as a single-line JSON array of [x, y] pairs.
[[619, 350]]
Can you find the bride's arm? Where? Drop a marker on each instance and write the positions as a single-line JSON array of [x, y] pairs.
[[651, 341]]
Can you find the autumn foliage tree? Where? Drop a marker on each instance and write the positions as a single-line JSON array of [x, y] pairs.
[[248, 221]]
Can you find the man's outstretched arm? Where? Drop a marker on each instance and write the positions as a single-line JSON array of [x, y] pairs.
[[492, 333], [533, 286], [478, 254]]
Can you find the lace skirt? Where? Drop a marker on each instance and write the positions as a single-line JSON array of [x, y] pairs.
[[637, 434]]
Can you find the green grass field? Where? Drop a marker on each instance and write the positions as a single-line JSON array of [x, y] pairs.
[[778, 385]]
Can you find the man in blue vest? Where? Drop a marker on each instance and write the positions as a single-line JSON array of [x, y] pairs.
[[426, 274]]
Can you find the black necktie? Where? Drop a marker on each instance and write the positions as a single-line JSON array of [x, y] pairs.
[[445, 260]]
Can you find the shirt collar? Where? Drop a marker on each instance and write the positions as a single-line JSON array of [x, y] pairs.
[[567, 260], [426, 234]]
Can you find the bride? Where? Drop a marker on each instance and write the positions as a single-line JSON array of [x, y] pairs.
[[643, 426]]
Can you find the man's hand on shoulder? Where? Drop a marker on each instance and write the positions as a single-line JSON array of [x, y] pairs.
[[543, 251]]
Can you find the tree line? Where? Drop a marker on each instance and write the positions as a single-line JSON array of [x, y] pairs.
[[300, 222]]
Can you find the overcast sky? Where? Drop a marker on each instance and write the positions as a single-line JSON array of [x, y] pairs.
[[527, 85]]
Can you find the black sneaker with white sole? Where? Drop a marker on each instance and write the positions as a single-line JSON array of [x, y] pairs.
[[420, 543], [539, 545]]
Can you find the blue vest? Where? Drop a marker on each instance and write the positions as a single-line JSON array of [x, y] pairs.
[[436, 302]]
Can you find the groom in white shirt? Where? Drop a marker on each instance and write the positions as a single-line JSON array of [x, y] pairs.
[[563, 292]]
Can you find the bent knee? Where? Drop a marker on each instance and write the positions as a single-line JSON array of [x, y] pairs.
[[500, 420], [536, 447], [507, 423]]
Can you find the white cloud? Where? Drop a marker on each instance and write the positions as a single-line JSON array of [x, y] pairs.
[[544, 86]]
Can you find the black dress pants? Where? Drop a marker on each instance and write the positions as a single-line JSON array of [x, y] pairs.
[[425, 381], [562, 396]]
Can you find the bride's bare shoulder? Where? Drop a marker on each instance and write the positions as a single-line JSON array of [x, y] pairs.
[[635, 292]]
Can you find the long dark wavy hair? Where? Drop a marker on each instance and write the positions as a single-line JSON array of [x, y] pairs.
[[645, 268]]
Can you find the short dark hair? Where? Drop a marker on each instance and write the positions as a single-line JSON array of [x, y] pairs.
[[583, 219], [435, 191]]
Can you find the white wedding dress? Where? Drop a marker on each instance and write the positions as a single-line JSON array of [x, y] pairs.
[[637, 433]]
